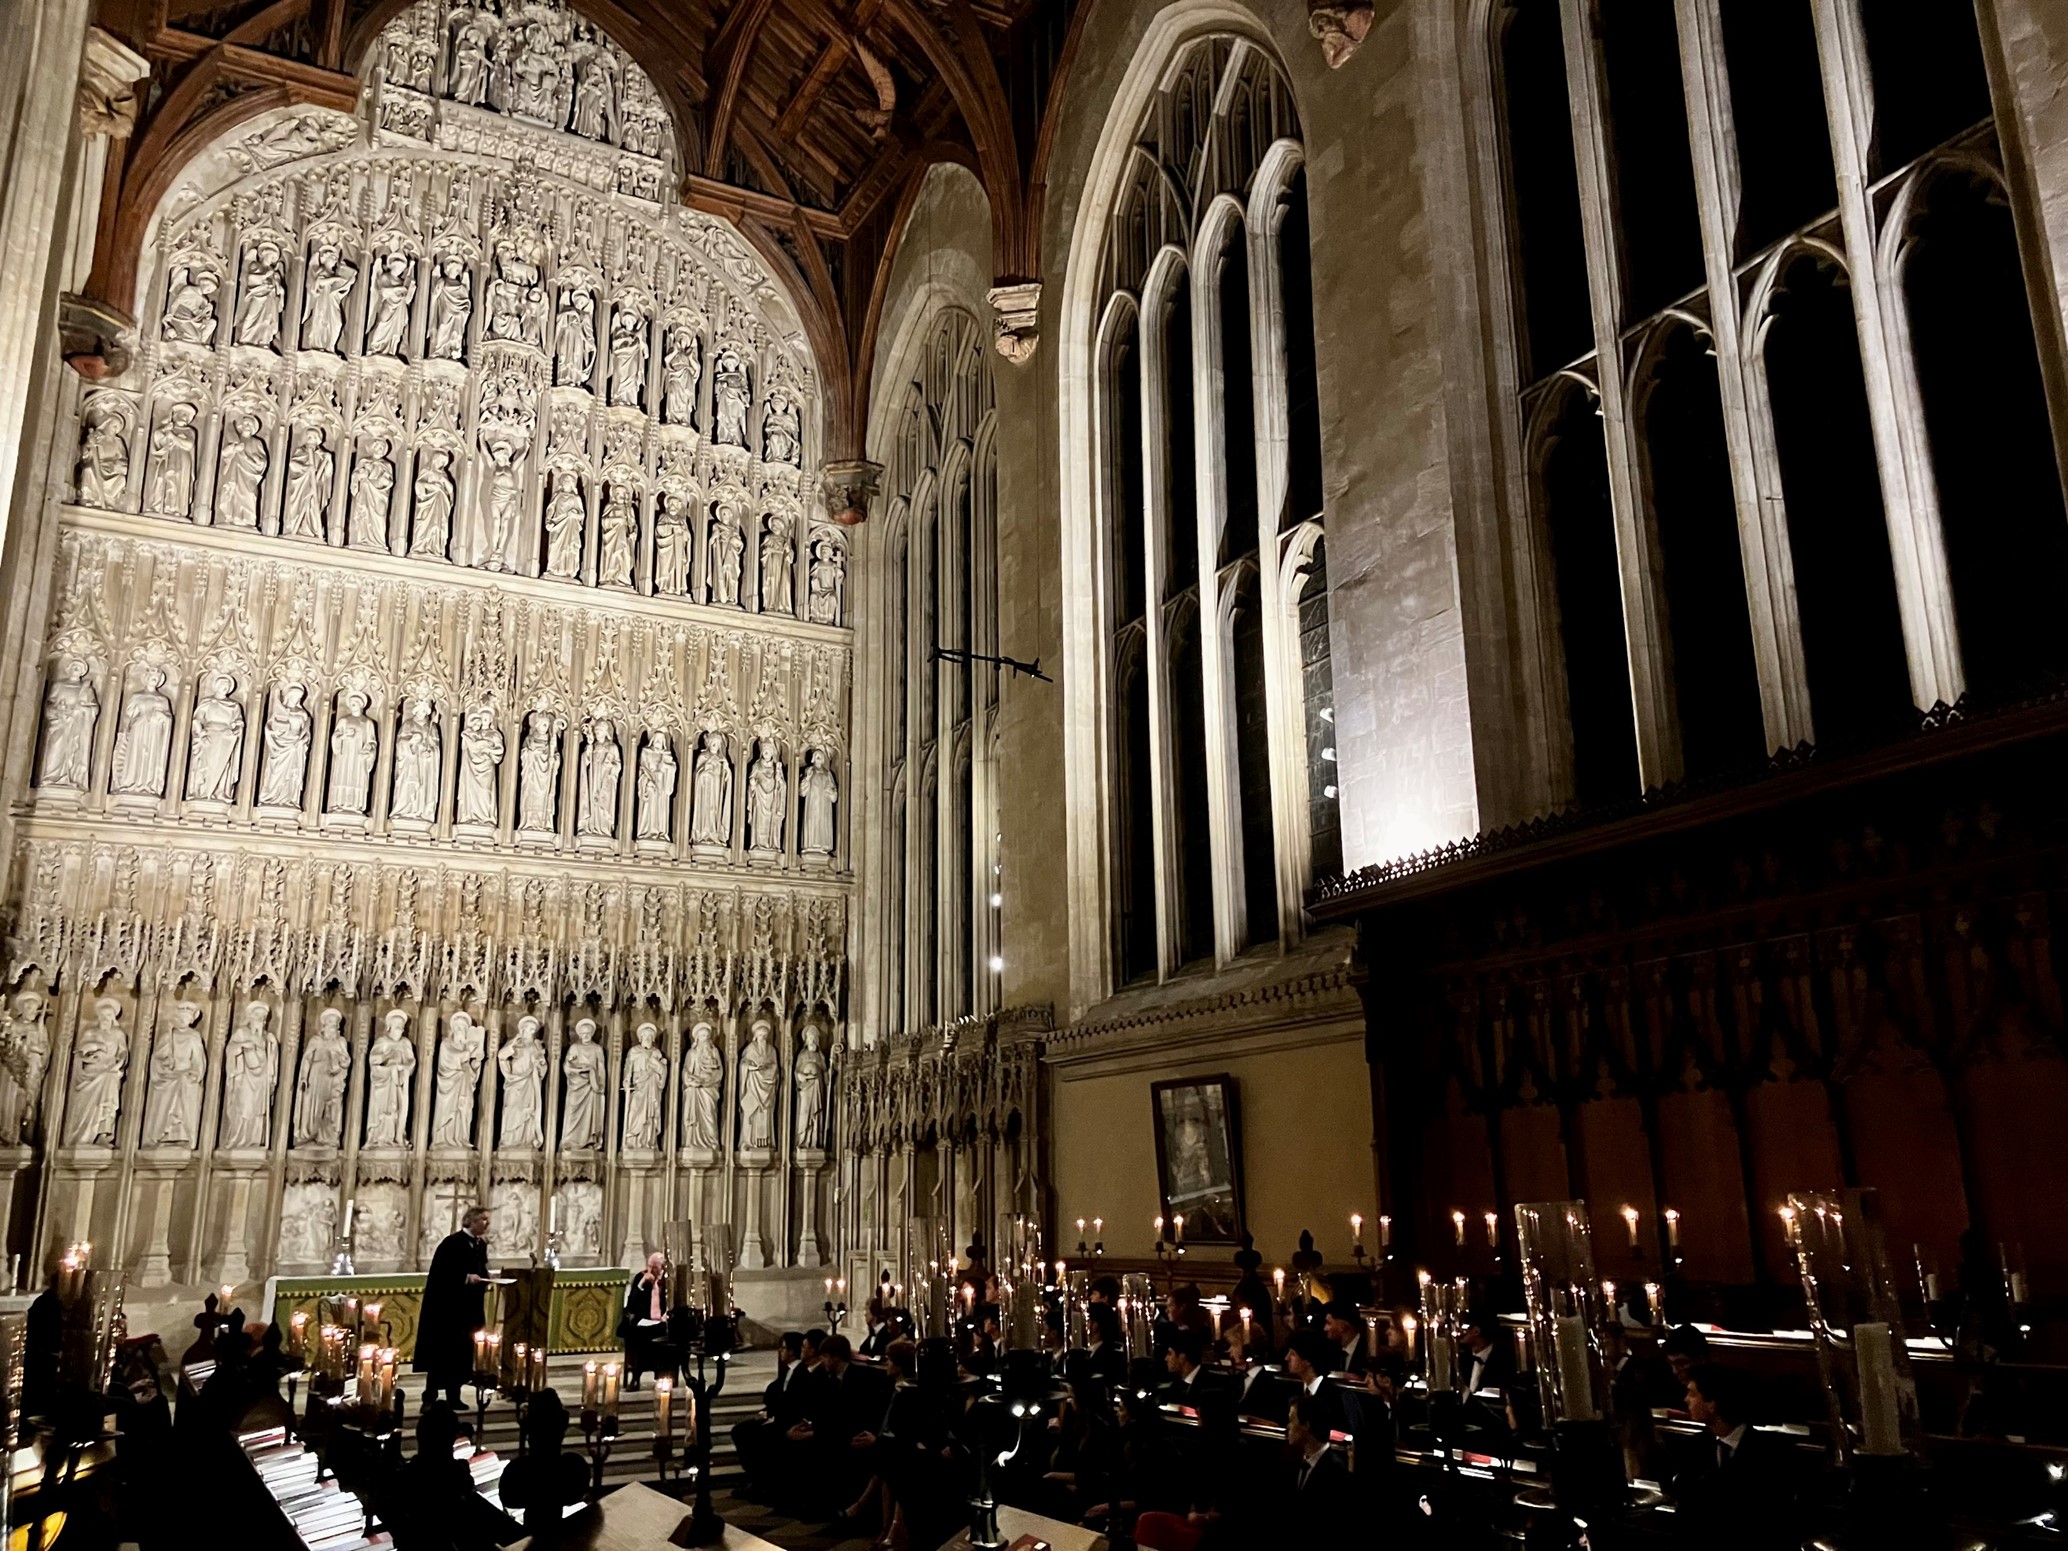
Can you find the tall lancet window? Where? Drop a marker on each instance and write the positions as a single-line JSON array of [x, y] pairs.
[[1788, 466], [940, 590], [1216, 689]]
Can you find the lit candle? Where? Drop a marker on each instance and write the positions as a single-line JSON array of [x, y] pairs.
[[1159, 1230], [1630, 1222], [1278, 1282], [368, 1355], [521, 1365], [495, 1355], [538, 1368], [350, 1207], [1672, 1228], [373, 1318], [1385, 1231], [610, 1389], [664, 1408], [1098, 1227], [480, 1351], [1408, 1326], [298, 1335], [1493, 1230], [224, 1296], [1608, 1292], [1356, 1228], [1177, 1227], [386, 1388], [1651, 1300], [1457, 1225], [1245, 1327], [589, 1386], [1080, 1227]]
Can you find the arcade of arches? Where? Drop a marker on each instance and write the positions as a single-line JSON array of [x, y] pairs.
[[767, 614]]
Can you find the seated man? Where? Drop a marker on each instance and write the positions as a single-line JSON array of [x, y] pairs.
[[644, 1325], [1310, 1358], [1266, 1391], [1315, 1503], [881, 1330], [782, 1406], [1733, 1483], [1344, 1325], [1190, 1384], [1107, 1353], [1685, 1348], [545, 1481], [1489, 1360]]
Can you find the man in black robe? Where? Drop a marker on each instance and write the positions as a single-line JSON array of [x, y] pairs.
[[454, 1292]]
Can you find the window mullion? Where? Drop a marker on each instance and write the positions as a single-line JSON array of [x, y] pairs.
[[1170, 950]]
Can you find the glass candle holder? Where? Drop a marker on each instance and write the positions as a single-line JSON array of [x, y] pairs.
[[1565, 1306], [1856, 1319], [1443, 1310]]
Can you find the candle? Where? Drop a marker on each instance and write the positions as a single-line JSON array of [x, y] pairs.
[[1493, 1230], [1441, 1376], [1278, 1282], [298, 1335], [480, 1351], [1385, 1231], [521, 1366], [1881, 1419], [589, 1386], [384, 1391], [224, 1296], [610, 1389], [494, 1370], [1651, 1301], [1098, 1227], [368, 1355], [1608, 1293], [1457, 1224], [1080, 1227], [350, 1207], [1408, 1326], [372, 1318], [1159, 1230], [538, 1368], [1630, 1222], [1356, 1228], [1672, 1228], [664, 1408], [1575, 1373], [1177, 1226]]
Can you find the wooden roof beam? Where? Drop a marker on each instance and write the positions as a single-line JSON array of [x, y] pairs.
[[732, 51]]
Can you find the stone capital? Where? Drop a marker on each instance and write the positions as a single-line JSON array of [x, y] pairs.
[[108, 73], [850, 487], [1016, 318], [96, 339], [1340, 26]]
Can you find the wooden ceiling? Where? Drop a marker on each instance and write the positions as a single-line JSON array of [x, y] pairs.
[[809, 123]]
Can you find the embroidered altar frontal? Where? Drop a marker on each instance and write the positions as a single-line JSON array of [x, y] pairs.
[[581, 1313]]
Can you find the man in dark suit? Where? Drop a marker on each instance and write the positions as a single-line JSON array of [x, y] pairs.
[[1343, 1324], [782, 1404], [845, 1403], [1733, 1485], [881, 1330], [1265, 1390], [452, 1310], [1489, 1361], [1189, 1383], [1108, 1355], [1310, 1358], [1315, 1508]]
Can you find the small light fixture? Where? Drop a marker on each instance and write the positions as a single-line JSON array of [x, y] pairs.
[[997, 963]]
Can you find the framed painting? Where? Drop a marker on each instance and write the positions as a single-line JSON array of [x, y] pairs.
[[1199, 1156]]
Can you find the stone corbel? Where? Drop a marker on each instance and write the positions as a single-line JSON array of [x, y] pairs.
[[1340, 25], [1016, 318], [108, 74], [850, 487], [96, 338]]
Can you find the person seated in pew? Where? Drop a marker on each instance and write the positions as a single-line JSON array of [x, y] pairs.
[[643, 1326], [1266, 1391], [845, 1402], [782, 1404], [1685, 1348], [431, 1503], [1055, 1349], [1141, 1469], [1489, 1355], [1103, 1289], [1190, 1384], [883, 1329], [1314, 1505], [1309, 1359], [1732, 1483], [1107, 1352], [1076, 1446], [546, 1480], [1343, 1324], [898, 1449]]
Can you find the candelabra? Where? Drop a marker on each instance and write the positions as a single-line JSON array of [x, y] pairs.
[[836, 1301], [555, 1242], [663, 1424], [1170, 1251], [714, 1343]]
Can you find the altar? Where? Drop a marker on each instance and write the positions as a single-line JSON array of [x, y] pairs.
[[581, 1313]]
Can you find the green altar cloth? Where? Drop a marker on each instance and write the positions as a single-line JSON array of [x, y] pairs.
[[583, 1316]]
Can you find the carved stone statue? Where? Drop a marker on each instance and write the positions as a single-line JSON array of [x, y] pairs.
[[760, 1074], [179, 1065], [492, 544], [703, 1081], [782, 433], [534, 76], [538, 773], [809, 1075], [646, 1083], [251, 1066], [710, 819], [513, 1210], [657, 775], [828, 570], [190, 306], [619, 538], [103, 472], [681, 367], [373, 490], [627, 358], [389, 1066], [319, 1111], [215, 746], [393, 293], [353, 740], [467, 80], [596, 98], [265, 297], [325, 287], [731, 397], [727, 547], [308, 1223], [581, 1121], [169, 474], [460, 1058], [819, 790], [430, 532], [603, 762], [24, 1057], [523, 1064], [240, 472], [481, 763], [71, 711], [768, 800], [566, 515], [311, 469], [98, 1061], [672, 544], [452, 306], [144, 740], [574, 338], [775, 564], [284, 769], [417, 754]]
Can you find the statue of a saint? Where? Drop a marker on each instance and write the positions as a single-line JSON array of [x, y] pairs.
[[98, 1061], [240, 473], [215, 745], [467, 81], [24, 1057], [523, 1064], [327, 284], [501, 494], [680, 368], [596, 97], [566, 515], [389, 1065], [373, 489], [768, 799], [619, 538], [352, 743], [251, 1066], [285, 764], [672, 543], [394, 292], [581, 1120], [782, 435], [809, 1074], [574, 338], [452, 306], [431, 531], [71, 711], [627, 358], [102, 476], [538, 773], [179, 1065], [760, 1073], [727, 547], [775, 564], [731, 397], [828, 569], [646, 1080], [265, 297], [703, 1080], [819, 789], [481, 763], [460, 1058], [190, 306], [657, 787], [169, 472], [710, 821], [144, 740], [603, 762], [311, 468], [319, 1112], [417, 749]]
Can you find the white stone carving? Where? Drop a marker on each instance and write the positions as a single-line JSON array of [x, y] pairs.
[[523, 1065], [768, 800], [284, 768], [760, 1077], [819, 790], [381, 1224], [71, 711], [308, 1223], [354, 741], [603, 762], [460, 1058], [646, 1086], [775, 564], [102, 474], [319, 1112], [581, 1219], [581, 1120], [627, 358], [619, 541], [782, 434], [311, 469], [169, 475], [240, 473], [431, 525], [190, 306], [491, 540], [99, 1059], [681, 366], [24, 1057], [827, 582], [215, 748], [574, 338], [657, 776], [810, 1078], [418, 746], [251, 1066], [567, 514], [513, 1217], [373, 489], [325, 287], [596, 98], [710, 822], [732, 396], [673, 544], [538, 773], [481, 762], [389, 1065], [703, 1083], [144, 740], [393, 294], [452, 307], [265, 297], [727, 546]]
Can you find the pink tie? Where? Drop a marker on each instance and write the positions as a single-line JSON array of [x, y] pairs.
[[656, 1305]]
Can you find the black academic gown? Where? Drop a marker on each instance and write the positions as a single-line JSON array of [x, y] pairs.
[[452, 1309]]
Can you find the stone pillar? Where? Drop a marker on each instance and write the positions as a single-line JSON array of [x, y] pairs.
[[753, 1167], [810, 1164], [154, 1266]]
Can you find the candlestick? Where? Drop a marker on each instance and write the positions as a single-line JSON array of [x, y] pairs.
[[590, 1387], [368, 1356], [1630, 1215], [480, 1351], [298, 1336], [1357, 1228], [610, 1389], [1408, 1326], [664, 1407]]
